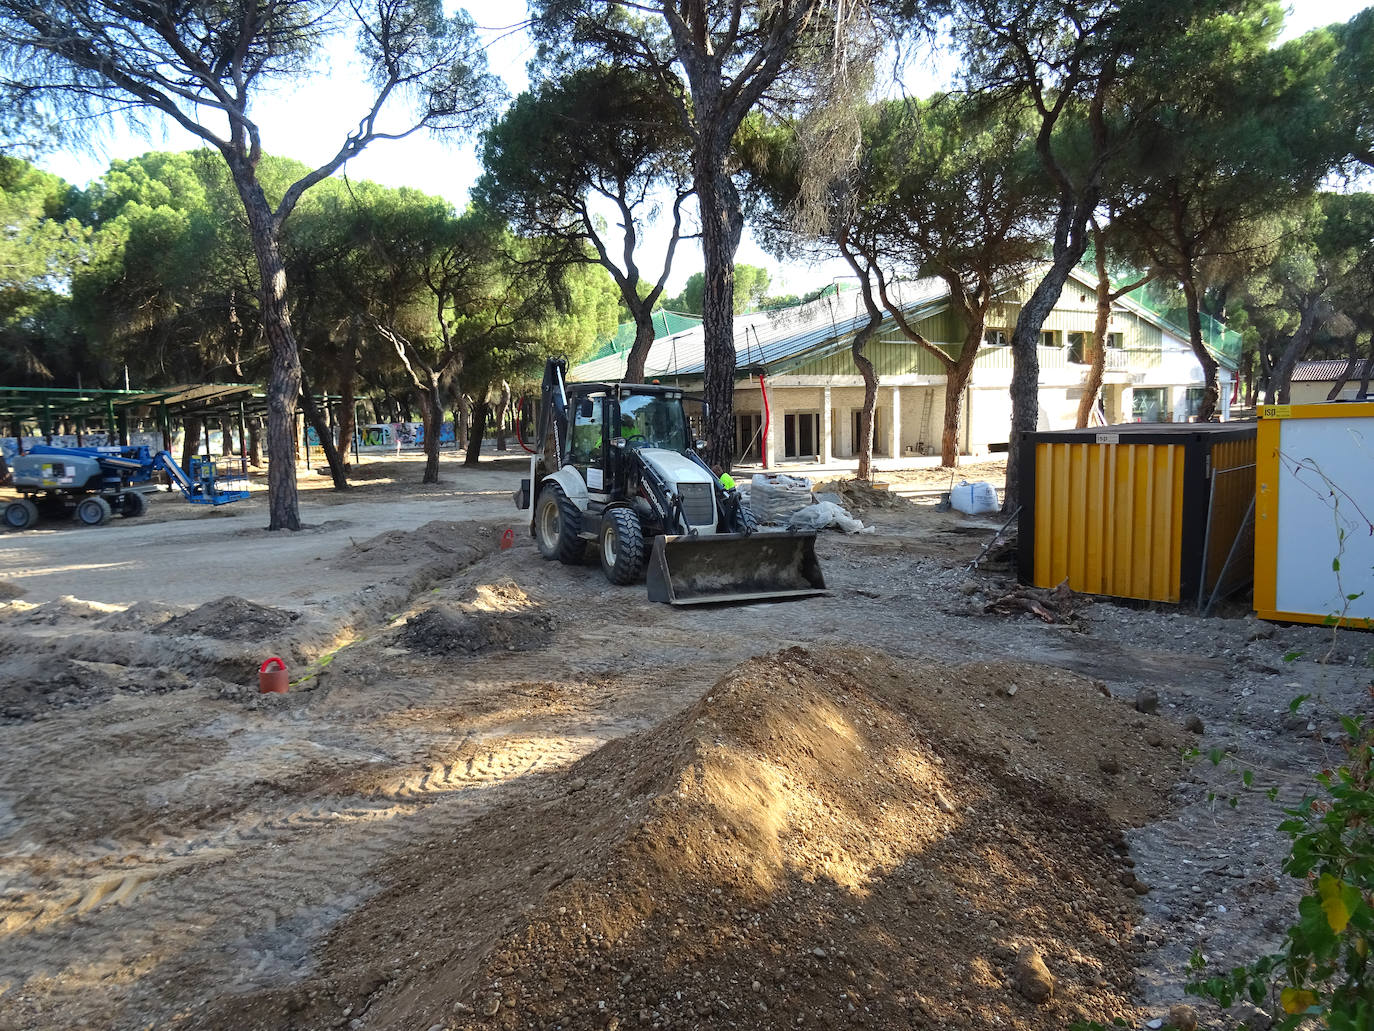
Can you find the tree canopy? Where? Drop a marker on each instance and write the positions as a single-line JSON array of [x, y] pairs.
[[715, 63], [203, 67], [599, 141]]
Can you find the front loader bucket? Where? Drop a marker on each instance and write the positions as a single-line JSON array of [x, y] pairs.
[[725, 567]]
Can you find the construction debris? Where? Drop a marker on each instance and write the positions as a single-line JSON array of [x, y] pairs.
[[824, 515], [862, 495], [1056, 606]]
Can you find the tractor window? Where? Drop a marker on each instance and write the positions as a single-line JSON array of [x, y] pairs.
[[648, 421], [586, 432]]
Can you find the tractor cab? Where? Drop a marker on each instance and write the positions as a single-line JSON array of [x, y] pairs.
[[618, 467]]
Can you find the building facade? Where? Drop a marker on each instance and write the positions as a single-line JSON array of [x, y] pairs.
[[798, 396]]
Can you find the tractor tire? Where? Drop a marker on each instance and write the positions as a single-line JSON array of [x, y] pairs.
[[742, 520], [132, 504], [556, 524], [622, 546], [21, 514], [93, 511]]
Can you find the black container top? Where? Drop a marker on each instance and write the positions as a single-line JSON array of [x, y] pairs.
[[1179, 433]]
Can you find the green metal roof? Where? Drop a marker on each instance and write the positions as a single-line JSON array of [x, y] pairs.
[[666, 323], [1225, 344], [44, 405]]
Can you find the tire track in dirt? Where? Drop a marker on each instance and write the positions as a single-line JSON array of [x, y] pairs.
[[259, 888]]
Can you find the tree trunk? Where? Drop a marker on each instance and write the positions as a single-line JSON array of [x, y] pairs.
[[190, 445], [957, 376], [865, 366], [870, 376], [1211, 394], [1098, 365], [255, 442], [460, 427], [721, 224], [226, 433], [1281, 380], [348, 422], [1025, 364], [644, 338], [331, 453], [1368, 367], [480, 410], [1351, 367], [431, 414], [502, 408], [1251, 379], [284, 380]]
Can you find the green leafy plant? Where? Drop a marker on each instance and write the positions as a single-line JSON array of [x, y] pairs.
[[1323, 969]]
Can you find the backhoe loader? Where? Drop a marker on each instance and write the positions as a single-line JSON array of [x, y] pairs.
[[616, 465]]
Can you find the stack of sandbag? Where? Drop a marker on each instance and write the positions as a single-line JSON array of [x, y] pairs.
[[775, 497]]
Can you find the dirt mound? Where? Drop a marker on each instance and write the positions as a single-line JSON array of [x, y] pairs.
[[828, 838], [456, 543], [859, 496], [33, 685], [10, 590], [141, 615], [442, 630], [65, 609], [230, 619]]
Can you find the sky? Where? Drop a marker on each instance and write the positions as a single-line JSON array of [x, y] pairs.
[[309, 120]]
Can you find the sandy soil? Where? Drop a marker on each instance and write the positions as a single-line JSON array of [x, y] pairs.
[[502, 793]]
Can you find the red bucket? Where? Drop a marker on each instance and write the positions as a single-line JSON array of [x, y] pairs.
[[507, 539], [272, 681]]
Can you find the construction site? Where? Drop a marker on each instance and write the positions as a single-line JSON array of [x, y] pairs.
[[505, 792]]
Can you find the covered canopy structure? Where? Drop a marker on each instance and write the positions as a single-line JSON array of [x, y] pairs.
[[50, 411]]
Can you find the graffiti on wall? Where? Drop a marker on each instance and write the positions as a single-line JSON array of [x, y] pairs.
[[381, 435]]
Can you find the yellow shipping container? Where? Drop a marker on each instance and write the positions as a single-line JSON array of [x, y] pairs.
[[1151, 511]]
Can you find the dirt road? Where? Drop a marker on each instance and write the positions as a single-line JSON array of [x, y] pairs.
[[177, 850]]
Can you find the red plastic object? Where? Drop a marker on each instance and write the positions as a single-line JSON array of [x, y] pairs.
[[272, 681], [508, 539], [763, 440]]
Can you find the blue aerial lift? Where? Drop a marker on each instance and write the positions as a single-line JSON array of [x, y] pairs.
[[92, 484]]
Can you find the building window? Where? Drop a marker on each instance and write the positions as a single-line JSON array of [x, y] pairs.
[[1192, 404], [1049, 338], [1079, 345], [995, 338], [1116, 340], [748, 436], [1147, 405], [879, 431], [801, 432]]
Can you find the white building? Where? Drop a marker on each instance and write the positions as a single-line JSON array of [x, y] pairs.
[[801, 358]]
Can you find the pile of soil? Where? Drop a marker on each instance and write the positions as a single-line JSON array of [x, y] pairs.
[[428, 555], [32, 686], [141, 615], [9, 590], [65, 609], [826, 838], [441, 630], [230, 619], [861, 496], [458, 543]]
